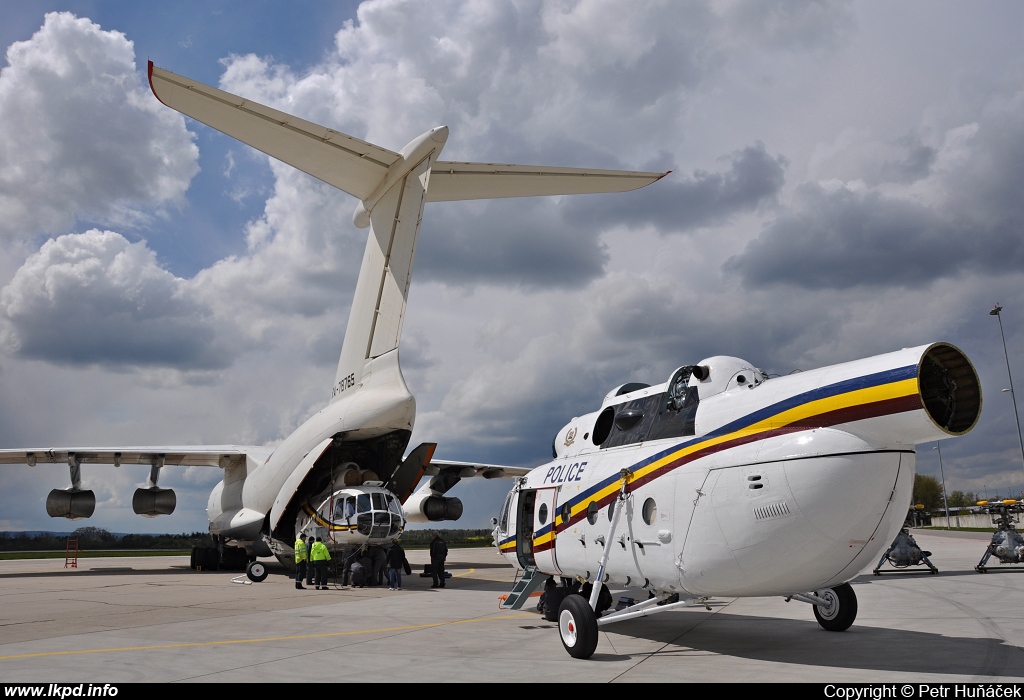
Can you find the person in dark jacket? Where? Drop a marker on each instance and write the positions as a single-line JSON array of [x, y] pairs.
[[604, 598], [396, 562], [378, 562], [545, 596], [438, 553], [309, 558]]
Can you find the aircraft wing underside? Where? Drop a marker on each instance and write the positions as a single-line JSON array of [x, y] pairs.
[[470, 469], [205, 456]]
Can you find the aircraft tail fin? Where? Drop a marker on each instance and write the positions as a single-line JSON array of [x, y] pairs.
[[392, 189]]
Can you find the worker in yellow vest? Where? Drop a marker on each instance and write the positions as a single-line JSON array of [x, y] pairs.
[[300, 561], [320, 557]]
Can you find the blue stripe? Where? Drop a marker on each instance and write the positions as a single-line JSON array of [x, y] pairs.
[[857, 383]]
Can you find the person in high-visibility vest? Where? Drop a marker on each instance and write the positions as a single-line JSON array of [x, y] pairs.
[[320, 557], [300, 561]]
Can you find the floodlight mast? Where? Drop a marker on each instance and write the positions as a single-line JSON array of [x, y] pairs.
[[942, 473], [1013, 397]]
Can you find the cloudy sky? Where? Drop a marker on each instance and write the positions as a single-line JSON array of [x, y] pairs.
[[847, 182]]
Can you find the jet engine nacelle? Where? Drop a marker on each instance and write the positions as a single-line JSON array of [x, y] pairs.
[[71, 504], [425, 507], [153, 502]]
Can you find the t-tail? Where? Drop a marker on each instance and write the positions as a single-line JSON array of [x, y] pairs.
[[392, 189]]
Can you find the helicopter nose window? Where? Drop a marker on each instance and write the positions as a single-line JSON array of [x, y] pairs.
[[379, 515], [363, 503]]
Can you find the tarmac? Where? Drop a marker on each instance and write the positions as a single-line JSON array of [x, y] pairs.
[[153, 620]]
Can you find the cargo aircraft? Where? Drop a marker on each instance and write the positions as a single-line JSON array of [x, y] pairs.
[[721, 481], [344, 474]]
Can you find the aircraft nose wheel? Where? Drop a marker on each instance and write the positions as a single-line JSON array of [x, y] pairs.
[[577, 626], [841, 610], [256, 571]]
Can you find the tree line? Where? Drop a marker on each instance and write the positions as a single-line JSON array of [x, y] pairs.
[[928, 492], [97, 538]]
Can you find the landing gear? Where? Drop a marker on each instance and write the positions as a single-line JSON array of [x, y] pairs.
[[577, 626], [256, 571], [840, 609]]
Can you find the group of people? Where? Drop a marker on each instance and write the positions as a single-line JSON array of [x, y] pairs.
[[363, 566], [311, 562]]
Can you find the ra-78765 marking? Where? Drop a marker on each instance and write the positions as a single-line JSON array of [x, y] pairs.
[[344, 383]]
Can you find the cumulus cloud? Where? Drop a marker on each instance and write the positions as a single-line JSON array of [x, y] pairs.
[[96, 298], [943, 211], [573, 84], [80, 135], [784, 25], [681, 202]]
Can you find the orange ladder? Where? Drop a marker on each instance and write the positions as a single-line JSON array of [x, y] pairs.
[[71, 556]]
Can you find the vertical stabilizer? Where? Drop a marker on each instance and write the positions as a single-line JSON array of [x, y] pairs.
[[394, 215], [392, 188]]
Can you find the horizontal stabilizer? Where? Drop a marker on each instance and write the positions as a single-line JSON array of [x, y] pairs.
[[361, 168], [351, 165], [451, 181]]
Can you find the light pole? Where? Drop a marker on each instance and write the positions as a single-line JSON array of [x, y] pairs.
[[1013, 397], [945, 503]]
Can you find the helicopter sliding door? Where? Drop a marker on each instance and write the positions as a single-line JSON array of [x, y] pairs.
[[545, 504]]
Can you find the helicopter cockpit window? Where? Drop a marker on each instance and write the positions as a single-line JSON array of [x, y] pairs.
[[503, 520], [344, 508], [363, 503], [379, 515]]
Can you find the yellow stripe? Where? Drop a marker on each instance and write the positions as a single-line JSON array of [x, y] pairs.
[[858, 397]]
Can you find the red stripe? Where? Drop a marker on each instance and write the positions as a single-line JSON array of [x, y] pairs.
[[849, 414]]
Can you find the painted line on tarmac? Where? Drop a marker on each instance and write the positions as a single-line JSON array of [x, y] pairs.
[[261, 640]]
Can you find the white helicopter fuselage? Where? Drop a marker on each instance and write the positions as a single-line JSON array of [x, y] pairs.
[[736, 484]]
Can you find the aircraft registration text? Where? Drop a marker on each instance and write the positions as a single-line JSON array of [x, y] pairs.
[[344, 383]]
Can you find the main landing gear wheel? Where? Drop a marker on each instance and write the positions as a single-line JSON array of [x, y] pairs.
[[256, 571], [577, 626], [841, 610]]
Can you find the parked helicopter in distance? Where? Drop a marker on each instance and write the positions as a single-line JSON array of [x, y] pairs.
[[722, 481]]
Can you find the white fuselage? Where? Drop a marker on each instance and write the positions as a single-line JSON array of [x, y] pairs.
[[781, 486], [252, 490]]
